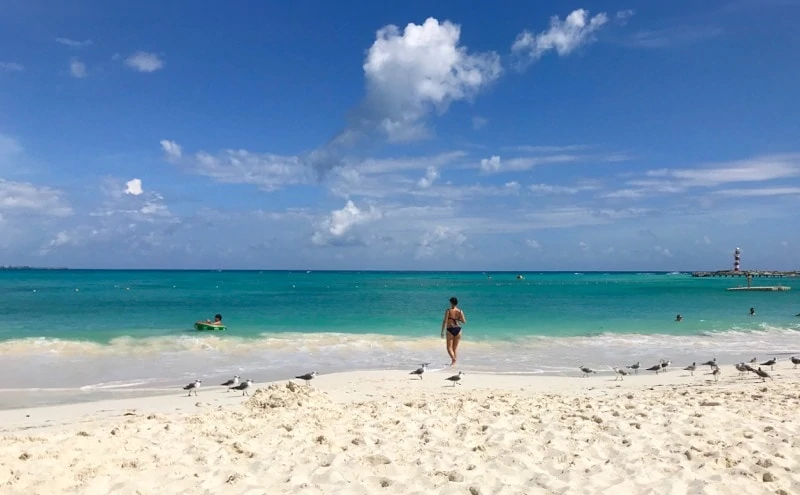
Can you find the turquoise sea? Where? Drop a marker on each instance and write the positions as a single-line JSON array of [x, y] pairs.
[[101, 329]]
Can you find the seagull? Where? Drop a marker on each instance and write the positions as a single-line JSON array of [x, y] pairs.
[[763, 374], [716, 373], [419, 371], [455, 378], [620, 373], [664, 365], [586, 371], [747, 367], [711, 363], [770, 363], [232, 383], [634, 367], [657, 367], [307, 377], [795, 361], [691, 368], [742, 368], [244, 386], [754, 360], [193, 387]]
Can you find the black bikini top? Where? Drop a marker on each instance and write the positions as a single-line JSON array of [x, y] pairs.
[[450, 312]]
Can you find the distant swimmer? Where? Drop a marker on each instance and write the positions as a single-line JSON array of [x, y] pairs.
[[752, 311], [217, 319], [451, 326], [679, 318]]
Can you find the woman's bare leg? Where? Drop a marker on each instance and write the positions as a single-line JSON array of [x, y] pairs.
[[456, 341], [450, 351]]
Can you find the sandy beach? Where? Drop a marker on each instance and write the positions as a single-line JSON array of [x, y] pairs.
[[389, 432]]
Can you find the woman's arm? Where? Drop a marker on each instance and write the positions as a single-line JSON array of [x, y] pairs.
[[444, 323], [463, 317]]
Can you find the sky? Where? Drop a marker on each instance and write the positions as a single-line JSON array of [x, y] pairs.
[[519, 135]]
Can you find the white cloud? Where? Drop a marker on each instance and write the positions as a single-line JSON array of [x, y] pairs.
[[479, 123], [431, 175], [673, 36], [334, 228], [268, 171], [533, 244], [663, 251], [171, 149], [764, 191], [11, 67], [77, 69], [495, 164], [144, 62], [526, 148], [23, 197], [441, 239], [576, 30], [134, 187], [411, 73], [73, 43], [489, 165], [785, 243], [583, 246], [556, 189], [757, 169], [705, 240], [9, 146]]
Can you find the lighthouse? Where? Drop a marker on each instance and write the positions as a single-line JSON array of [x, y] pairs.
[[737, 257]]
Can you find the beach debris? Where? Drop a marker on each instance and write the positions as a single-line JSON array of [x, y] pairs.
[[307, 377], [244, 386], [620, 373], [768, 477], [770, 363], [691, 368], [634, 367], [456, 379], [419, 371], [233, 382], [192, 387]]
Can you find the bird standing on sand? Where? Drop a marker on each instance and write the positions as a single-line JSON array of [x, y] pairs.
[[621, 374], [657, 368], [232, 383], [456, 379], [716, 373], [770, 363], [664, 365], [419, 371], [754, 360], [691, 368], [586, 371], [763, 374], [634, 367], [742, 368], [711, 363], [795, 361], [307, 377], [244, 386], [193, 387]]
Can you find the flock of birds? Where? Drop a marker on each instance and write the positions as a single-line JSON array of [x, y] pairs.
[[235, 383], [662, 366], [621, 373]]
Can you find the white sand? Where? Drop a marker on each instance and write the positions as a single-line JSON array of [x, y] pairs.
[[386, 432]]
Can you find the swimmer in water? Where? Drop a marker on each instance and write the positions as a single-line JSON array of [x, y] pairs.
[[752, 311], [679, 318], [217, 319], [451, 328]]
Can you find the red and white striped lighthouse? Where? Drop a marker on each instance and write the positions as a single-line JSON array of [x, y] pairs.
[[737, 257]]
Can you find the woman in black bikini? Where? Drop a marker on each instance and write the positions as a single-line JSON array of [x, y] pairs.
[[451, 326]]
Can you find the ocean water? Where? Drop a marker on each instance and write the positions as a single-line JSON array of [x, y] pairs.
[[122, 330]]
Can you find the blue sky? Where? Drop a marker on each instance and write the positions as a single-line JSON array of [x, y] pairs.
[[357, 135]]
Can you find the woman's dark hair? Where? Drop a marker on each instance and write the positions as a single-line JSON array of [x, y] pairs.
[[217, 316], [454, 301]]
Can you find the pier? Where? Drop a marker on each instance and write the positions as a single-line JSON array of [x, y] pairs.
[[749, 274]]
